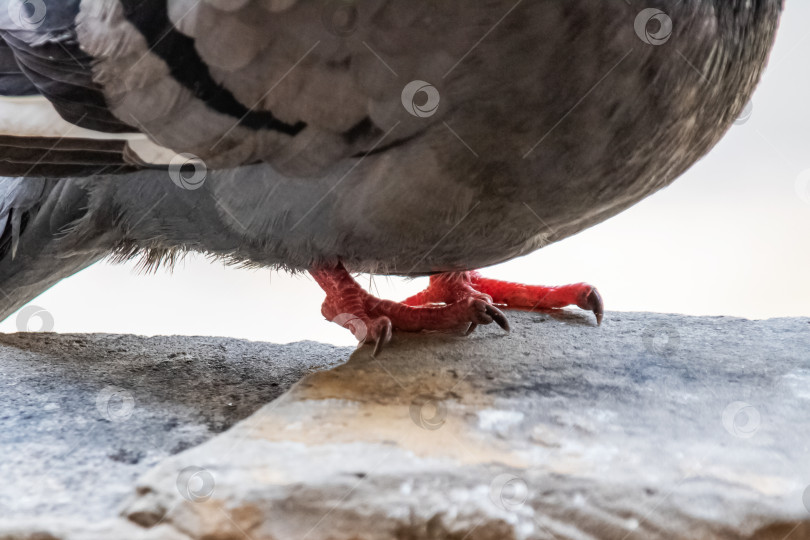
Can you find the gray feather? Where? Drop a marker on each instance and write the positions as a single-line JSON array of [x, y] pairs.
[[554, 116]]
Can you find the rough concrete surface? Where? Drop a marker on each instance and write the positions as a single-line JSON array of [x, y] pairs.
[[83, 416], [650, 426]]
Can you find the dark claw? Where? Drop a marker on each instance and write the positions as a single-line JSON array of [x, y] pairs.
[[594, 303], [385, 338], [472, 327], [498, 316]]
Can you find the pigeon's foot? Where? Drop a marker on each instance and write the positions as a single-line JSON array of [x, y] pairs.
[[529, 297], [453, 286], [372, 319], [453, 300]]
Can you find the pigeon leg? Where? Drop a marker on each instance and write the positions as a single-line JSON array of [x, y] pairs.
[[452, 286], [447, 288], [372, 319], [528, 297]]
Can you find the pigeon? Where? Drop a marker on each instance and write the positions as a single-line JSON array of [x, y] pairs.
[[397, 137]]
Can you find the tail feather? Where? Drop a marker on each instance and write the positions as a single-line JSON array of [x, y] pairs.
[[35, 214], [63, 157]]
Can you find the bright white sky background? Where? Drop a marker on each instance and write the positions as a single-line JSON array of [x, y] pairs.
[[730, 237]]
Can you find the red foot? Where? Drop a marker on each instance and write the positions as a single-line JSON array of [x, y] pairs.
[[452, 300], [451, 286], [372, 320], [519, 296]]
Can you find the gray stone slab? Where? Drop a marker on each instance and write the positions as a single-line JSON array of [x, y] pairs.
[[651, 426], [83, 416]]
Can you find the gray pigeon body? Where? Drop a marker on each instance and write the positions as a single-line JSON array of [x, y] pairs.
[[396, 136]]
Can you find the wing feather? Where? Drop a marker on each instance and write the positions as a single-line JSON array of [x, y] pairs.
[[301, 85], [287, 82]]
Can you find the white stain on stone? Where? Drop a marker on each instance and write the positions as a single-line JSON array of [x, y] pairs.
[[799, 383], [498, 419]]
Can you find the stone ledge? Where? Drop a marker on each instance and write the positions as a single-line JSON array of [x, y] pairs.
[[651, 426], [83, 416]]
